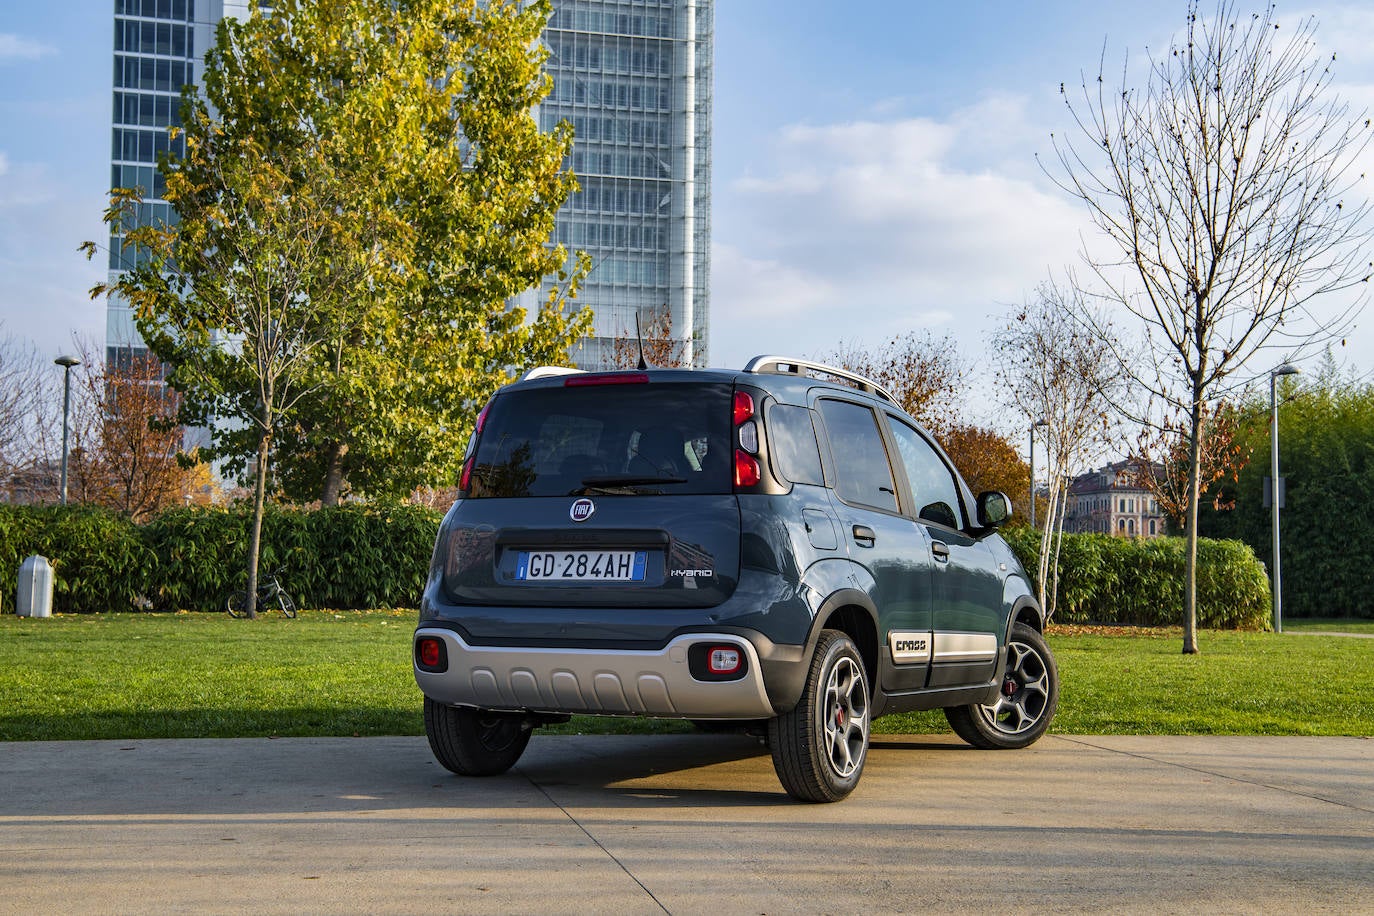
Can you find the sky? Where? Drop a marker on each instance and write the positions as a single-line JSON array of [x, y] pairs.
[[876, 166]]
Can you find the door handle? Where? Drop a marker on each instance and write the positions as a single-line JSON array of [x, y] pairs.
[[940, 551], [864, 536]]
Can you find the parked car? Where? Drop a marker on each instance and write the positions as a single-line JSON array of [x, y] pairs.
[[779, 548]]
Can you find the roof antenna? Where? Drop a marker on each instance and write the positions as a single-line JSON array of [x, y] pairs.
[[639, 335]]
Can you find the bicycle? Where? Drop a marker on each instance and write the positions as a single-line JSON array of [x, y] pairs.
[[269, 590]]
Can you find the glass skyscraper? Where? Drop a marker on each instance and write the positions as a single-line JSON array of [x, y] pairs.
[[158, 45], [632, 76]]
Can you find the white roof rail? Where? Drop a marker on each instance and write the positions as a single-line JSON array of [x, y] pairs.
[[791, 365], [548, 372]]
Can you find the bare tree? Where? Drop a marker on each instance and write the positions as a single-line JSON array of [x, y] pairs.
[[925, 374], [126, 441], [1226, 188], [1065, 375], [19, 393], [653, 340]]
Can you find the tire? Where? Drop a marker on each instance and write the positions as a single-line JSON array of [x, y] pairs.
[[1029, 698], [819, 747], [475, 742], [288, 607], [237, 605]]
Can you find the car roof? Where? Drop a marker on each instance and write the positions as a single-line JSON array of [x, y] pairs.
[[764, 371]]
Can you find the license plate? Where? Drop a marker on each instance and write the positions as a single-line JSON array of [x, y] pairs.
[[580, 566]]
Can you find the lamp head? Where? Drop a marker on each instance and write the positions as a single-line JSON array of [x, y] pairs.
[[66, 362], [1286, 369]]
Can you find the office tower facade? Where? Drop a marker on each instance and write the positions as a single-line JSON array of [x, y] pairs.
[[632, 76], [158, 46]]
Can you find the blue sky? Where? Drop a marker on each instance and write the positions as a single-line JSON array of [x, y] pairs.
[[874, 163]]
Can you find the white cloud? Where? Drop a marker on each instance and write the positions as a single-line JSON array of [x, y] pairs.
[[863, 230], [4, 164], [16, 47]]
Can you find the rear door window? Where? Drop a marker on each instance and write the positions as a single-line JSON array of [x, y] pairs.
[[606, 439], [862, 474]]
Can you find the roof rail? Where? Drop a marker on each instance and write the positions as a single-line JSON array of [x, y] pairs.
[[548, 372], [791, 365]]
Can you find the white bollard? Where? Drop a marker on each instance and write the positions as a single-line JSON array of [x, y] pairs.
[[35, 588]]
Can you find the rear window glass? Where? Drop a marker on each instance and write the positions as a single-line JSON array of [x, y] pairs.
[[605, 439]]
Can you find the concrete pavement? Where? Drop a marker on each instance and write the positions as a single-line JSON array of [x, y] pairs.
[[687, 824]]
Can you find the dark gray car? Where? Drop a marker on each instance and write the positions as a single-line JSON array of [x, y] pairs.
[[779, 549]]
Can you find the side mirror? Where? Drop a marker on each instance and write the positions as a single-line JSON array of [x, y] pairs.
[[993, 509]]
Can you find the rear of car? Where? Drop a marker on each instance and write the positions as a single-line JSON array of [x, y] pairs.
[[584, 566]]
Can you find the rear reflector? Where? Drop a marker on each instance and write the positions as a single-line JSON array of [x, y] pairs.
[[430, 654], [606, 378]]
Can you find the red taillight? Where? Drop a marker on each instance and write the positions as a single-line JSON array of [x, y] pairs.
[[746, 469], [724, 659], [430, 652], [743, 406], [606, 378], [747, 472]]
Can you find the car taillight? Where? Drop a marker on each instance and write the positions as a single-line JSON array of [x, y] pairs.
[[743, 406], [724, 660], [747, 471]]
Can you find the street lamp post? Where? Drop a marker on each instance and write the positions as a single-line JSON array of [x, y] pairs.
[[66, 362], [1285, 369], [1035, 425]]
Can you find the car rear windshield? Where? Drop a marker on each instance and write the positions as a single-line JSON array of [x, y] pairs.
[[668, 438]]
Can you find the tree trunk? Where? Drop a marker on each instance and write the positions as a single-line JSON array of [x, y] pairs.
[[255, 533], [333, 474], [1190, 526]]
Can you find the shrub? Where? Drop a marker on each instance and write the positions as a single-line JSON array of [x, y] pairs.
[[100, 562], [193, 558], [1104, 579]]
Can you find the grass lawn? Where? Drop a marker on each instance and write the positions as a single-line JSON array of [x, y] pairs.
[[1362, 625], [124, 676]]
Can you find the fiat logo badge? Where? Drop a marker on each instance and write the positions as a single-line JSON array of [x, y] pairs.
[[582, 510]]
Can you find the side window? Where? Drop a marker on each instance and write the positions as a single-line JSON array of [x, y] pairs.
[[793, 444], [932, 486], [862, 474]]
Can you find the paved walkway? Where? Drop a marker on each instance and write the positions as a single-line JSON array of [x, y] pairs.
[[687, 824]]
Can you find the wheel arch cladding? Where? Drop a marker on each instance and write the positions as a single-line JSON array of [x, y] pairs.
[[857, 623]]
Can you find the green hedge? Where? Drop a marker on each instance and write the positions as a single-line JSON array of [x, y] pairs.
[[370, 556], [1105, 579], [191, 559]]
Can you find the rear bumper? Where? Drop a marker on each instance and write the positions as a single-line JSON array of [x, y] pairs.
[[654, 682]]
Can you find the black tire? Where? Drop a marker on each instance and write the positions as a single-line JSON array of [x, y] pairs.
[[288, 607], [819, 747], [1029, 698], [475, 742], [237, 605]]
